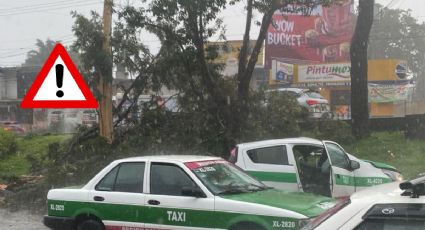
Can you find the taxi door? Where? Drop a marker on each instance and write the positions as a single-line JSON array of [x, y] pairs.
[[118, 198], [342, 179], [168, 207], [273, 165]]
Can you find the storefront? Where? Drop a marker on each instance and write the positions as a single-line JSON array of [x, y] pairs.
[[390, 85]]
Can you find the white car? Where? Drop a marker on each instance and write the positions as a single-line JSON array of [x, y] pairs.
[[316, 104], [310, 165], [391, 206], [179, 192]]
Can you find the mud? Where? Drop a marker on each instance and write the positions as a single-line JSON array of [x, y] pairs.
[[21, 220]]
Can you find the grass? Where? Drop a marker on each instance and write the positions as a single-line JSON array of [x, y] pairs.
[[392, 148], [17, 164], [387, 147]]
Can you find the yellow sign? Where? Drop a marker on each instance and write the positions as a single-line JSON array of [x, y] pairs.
[[328, 73], [228, 52]]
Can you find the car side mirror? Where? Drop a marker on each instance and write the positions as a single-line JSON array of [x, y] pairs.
[[354, 165], [193, 191]]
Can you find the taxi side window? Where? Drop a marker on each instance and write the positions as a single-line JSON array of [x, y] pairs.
[[276, 155], [168, 179], [338, 157], [107, 183], [126, 177]]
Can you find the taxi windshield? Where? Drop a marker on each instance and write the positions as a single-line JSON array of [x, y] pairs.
[[222, 177]]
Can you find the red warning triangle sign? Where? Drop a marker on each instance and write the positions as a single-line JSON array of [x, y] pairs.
[[59, 85]]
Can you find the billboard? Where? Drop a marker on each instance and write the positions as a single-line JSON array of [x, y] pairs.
[[324, 36], [384, 93], [332, 72], [228, 51], [282, 72], [228, 54]]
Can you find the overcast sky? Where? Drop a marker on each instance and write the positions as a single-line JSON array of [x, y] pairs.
[[23, 21]]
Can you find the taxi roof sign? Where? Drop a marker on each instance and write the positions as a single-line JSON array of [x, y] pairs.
[[59, 85]]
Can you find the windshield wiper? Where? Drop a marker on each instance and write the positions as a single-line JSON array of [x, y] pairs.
[[232, 191], [259, 187]]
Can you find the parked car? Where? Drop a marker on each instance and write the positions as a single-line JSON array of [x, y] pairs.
[[316, 104], [12, 126], [389, 206], [310, 165], [179, 192], [88, 117]]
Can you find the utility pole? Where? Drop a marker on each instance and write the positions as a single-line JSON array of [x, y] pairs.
[[105, 79]]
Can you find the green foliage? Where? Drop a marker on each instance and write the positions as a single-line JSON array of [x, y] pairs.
[[274, 116], [38, 56], [397, 34], [29, 150], [89, 45], [391, 148], [338, 131], [7, 143]]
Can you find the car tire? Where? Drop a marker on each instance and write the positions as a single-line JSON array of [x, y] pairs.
[[327, 116], [247, 226], [90, 225]]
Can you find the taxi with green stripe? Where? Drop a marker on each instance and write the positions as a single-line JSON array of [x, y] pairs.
[[310, 165], [179, 192]]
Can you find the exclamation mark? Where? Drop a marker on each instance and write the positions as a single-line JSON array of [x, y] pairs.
[[59, 79]]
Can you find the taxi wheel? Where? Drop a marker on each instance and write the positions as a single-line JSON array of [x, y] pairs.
[[246, 226], [90, 225]]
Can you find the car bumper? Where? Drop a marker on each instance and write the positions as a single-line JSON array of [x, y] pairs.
[[56, 222]]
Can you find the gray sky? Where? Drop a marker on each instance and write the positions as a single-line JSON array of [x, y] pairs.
[[23, 21]]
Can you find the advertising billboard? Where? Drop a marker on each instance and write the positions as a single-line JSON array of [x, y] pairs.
[[228, 51], [332, 72], [384, 93], [282, 72], [324, 36], [228, 54]]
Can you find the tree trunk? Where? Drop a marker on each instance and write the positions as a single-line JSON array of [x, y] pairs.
[[359, 67], [246, 66], [105, 79]]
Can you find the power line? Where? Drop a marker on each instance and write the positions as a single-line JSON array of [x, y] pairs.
[[42, 5], [26, 40], [27, 11], [14, 50], [14, 54], [389, 5]]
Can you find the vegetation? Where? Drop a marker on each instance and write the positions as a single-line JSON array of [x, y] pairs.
[[391, 148], [38, 56], [26, 150], [7, 143]]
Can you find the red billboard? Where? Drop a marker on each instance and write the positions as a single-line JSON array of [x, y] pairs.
[[324, 36]]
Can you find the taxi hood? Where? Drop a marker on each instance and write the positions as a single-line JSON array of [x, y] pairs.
[[381, 165], [306, 204]]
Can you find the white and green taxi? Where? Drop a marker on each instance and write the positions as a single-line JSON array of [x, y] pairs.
[[310, 165], [179, 192]]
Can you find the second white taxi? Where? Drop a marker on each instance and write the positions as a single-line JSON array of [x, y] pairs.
[[310, 165]]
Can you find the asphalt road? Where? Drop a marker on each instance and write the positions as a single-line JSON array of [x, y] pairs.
[[20, 220]]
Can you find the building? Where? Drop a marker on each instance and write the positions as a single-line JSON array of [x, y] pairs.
[[390, 84], [14, 83]]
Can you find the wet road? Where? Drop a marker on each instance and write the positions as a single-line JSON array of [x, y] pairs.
[[20, 220]]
